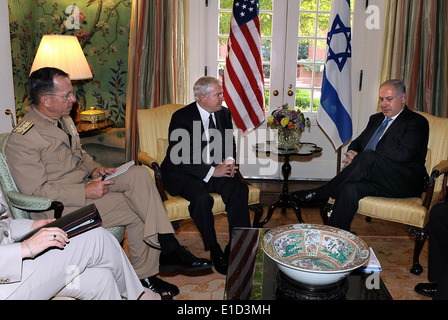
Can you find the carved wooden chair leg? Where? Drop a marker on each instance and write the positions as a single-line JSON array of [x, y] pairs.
[[420, 238], [325, 211], [258, 210]]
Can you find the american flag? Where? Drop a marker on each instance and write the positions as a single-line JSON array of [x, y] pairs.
[[243, 81]]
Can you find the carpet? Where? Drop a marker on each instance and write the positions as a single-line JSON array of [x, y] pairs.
[[394, 253]]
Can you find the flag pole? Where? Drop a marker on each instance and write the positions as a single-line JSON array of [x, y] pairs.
[[338, 165]]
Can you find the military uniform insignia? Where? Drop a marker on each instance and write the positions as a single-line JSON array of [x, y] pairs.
[[23, 127], [74, 131]]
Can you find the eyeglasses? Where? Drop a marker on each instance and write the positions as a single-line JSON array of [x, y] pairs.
[[66, 97]]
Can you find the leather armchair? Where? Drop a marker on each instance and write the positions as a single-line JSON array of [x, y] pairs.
[[21, 205], [414, 212], [153, 139]]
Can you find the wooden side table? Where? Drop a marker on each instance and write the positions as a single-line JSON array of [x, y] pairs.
[[87, 126], [285, 201]]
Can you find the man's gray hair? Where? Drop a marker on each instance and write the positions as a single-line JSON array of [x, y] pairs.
[[400, 87], [204, 86]]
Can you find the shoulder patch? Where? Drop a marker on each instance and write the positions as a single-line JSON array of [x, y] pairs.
[[24, 127]]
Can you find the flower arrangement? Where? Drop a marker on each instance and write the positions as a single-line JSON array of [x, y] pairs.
[[285, 118]]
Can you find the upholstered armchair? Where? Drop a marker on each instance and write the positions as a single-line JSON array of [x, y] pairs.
[[21, 205], [153, 139], [414, 212]]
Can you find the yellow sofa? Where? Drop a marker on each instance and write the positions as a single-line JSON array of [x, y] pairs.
[[153, 140]]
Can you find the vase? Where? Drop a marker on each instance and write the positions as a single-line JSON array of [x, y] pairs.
[[288, 138]]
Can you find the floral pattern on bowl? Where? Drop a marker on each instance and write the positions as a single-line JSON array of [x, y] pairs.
[[318, 249]]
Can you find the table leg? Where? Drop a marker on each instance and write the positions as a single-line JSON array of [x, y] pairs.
[[285, 198]]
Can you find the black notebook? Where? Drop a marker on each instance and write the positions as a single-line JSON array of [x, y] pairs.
[[73, 223]]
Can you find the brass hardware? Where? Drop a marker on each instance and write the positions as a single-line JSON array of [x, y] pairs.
[[275, 93], [9, 113], [290, 93]]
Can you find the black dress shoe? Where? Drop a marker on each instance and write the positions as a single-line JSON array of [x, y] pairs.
[[182, 259], [166, 290], [308, 198], [219, 259], [426, 289]]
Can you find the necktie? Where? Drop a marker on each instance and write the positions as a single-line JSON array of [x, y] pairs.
[[211, 125], [377, 135]]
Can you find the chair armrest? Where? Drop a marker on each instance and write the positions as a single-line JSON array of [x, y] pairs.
[[32, 203], [440, 169], [149, 161], [146, 159], [240, 176]]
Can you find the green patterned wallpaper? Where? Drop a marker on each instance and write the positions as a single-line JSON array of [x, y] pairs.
[[102, 27]]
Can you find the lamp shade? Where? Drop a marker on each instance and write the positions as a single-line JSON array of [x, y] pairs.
[[63, 52]]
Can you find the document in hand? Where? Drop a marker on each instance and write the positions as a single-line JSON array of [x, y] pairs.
[[73, 223], [121, 169]]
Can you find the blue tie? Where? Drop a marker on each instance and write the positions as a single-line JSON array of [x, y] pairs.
[[377, 135]]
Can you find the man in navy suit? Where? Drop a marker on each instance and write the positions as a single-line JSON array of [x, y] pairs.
[[394, 167], [200, 160]]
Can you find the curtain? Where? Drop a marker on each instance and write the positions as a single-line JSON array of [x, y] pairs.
[[415, 51], [158, 61]]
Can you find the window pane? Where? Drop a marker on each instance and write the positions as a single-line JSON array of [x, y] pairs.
[[226, 4], [266, 24], [266, 49], [221, 67], [266, 99], [266, 5], [304, 74], [308, 5], [323, 24], [307, 24], [303, 99], [318, 75], [306, 50], [222, 50], [303, 49], [325, 5], [316, 99], [224, 22], [267, 73], [321, 51]]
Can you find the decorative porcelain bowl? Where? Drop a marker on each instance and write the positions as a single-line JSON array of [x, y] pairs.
[[315, 254]]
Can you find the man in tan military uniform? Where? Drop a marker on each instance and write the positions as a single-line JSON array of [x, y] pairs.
[[47, 160]]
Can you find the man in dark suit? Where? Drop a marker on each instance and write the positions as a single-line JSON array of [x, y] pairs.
[[200, 160], [394, 167], [437, 288]]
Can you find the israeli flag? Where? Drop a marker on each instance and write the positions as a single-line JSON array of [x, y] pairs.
[[334, 114]]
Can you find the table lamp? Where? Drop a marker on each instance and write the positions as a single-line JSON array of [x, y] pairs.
[[63, 52]]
